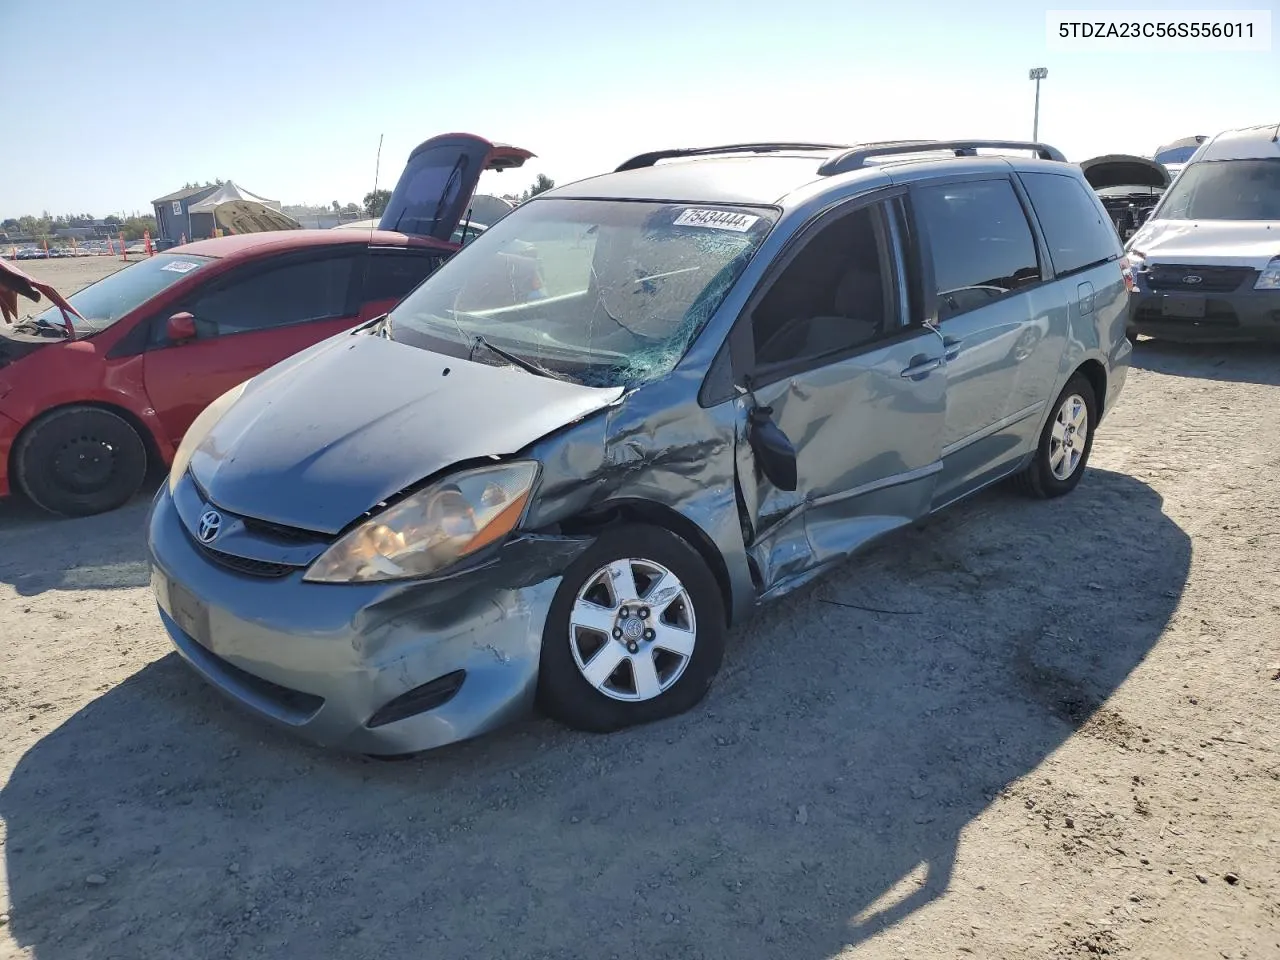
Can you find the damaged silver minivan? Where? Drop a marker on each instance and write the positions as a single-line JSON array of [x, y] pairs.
[[634, 408]]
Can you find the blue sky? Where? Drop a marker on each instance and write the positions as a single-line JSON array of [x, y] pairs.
[[125, 101]]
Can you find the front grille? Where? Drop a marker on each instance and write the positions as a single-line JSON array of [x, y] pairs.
[[253, 568], [278, 532], [1172, 276]]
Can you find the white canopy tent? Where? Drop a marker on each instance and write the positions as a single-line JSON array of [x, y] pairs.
[[228, 193]]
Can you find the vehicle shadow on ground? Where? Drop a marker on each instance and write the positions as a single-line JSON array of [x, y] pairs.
[[40, 552], [1229, 362], [841, 754]]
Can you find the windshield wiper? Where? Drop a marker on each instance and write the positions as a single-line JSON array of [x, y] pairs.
[[521, 362]]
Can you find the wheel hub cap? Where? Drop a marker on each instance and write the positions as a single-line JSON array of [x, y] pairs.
[[1069, 437], [632, 629]]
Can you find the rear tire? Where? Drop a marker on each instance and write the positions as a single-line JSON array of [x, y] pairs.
[[1062, 456], [636, 632], [79, 461]]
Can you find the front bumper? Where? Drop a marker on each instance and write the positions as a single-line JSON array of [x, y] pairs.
[[8, 434], [1240, 315], [320, 660]]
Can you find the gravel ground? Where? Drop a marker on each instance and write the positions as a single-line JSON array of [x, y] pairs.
[[1026, 730]]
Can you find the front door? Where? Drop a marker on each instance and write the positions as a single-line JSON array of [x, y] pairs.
[[985, 264], [854, 382], [246, 321]]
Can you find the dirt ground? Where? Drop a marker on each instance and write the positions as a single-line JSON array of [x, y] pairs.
[[1041, 730]]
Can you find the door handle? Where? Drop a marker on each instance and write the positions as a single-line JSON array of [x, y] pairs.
[[921, 366], [952, 347]]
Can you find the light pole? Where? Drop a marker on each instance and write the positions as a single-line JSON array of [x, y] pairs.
[[1037, 74]]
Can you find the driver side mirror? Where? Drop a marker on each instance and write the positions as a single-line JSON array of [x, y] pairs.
[[180, 328], [773, 451]]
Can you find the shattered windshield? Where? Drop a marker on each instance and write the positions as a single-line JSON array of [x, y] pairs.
[[603, 292], [1225, 190], [103, 303]]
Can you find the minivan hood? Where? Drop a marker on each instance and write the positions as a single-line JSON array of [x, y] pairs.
[[1252, 243], [1124, 170], [320, 439]]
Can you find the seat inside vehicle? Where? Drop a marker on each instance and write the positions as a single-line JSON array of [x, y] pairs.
[[831, 297]]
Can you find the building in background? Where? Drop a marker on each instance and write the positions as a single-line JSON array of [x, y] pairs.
[[193, 212], [172, 217]]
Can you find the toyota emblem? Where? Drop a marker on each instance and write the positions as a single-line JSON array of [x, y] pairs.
[[210, 524], [1192, 278]]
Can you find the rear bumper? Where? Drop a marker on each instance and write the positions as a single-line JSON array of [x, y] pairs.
[[8, 434], [1239, 315]]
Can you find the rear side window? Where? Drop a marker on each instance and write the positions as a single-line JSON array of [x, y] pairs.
[[390, 276], [982, 245], [258, 299], [1073, 225]]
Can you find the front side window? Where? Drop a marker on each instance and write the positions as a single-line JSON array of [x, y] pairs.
[[260, 298], [836, 295], [1073, 226], [982, 245], [1225, 190], [103, 303], [603, 292]]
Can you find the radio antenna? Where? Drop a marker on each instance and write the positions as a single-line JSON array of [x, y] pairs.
[[377, 166]]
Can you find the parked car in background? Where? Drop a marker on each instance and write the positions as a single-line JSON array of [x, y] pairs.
[[1129, 187], [87, 403], [1174, 156], [1207, 262], [746, 364]]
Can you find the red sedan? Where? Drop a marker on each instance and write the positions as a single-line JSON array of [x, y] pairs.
[[89, 399]]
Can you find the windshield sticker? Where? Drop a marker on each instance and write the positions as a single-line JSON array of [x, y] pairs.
[[180, 266], [716, 220]]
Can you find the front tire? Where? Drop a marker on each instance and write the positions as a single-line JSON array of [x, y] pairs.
[[79, 461], [635, 633], [1065, 443]]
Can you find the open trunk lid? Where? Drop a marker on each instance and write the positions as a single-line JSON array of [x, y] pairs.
[[439, 181]]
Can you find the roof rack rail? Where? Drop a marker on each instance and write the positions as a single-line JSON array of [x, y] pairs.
[[856, 157], [649, 159]]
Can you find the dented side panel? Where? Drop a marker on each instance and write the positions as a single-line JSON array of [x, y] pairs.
[[660, 447], [868, 446]]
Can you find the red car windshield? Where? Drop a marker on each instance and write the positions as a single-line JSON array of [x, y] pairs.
[[103, 303]]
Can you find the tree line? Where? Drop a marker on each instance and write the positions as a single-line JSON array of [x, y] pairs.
[[44, 227]]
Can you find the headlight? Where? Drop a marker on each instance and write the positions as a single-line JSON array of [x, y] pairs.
[[198, 430], [432, 529], [1269, 279]]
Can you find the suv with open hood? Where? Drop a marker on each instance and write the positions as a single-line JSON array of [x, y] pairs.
[[1207, 262], [1128, 186]]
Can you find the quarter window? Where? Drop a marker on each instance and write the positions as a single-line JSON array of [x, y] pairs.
[[295, 292], [835, 296], [1074, 228], [981, 243]]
